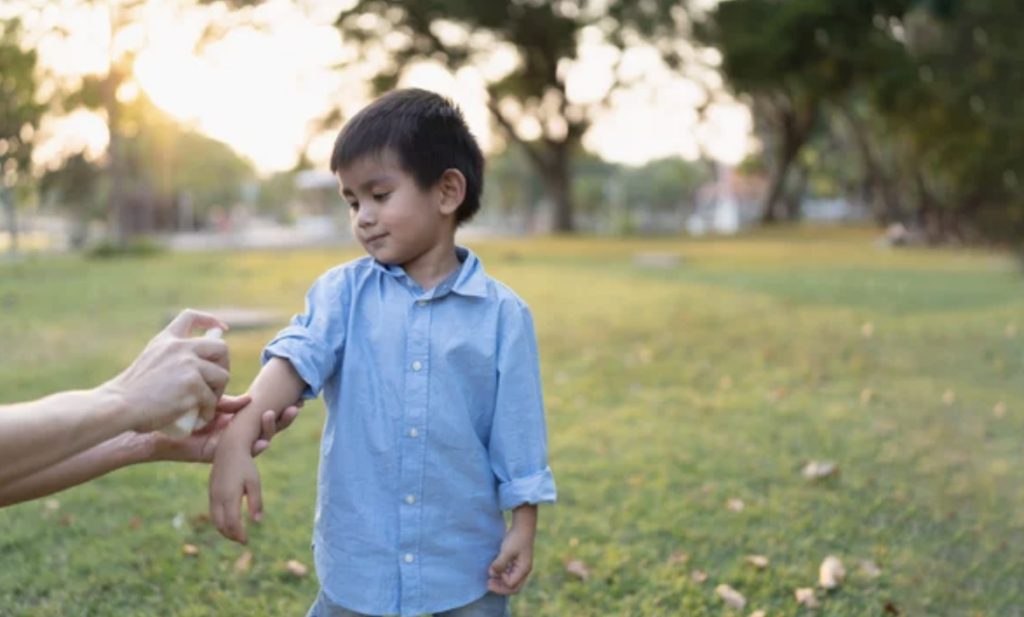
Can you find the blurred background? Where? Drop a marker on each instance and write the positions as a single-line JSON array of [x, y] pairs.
[[772, 248], [199, 124]]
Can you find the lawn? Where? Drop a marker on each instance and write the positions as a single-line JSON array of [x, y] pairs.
[[683, 403]]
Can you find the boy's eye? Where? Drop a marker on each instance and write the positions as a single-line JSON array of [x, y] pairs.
[[381, 196], [354, 205]]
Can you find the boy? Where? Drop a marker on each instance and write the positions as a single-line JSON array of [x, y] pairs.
[[430, 374]]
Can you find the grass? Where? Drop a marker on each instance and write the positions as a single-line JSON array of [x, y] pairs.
[[669, 393]]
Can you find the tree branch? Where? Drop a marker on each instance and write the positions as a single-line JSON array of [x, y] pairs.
[[506, 124]]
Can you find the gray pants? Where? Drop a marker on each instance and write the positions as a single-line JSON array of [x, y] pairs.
[[491, 605]]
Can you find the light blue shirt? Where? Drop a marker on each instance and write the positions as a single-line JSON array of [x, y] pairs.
[[435, 426]]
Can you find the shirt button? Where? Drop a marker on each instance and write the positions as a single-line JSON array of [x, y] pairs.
[[411, 499], [417, 365], [421, 303], [413, 433], [409, 558]]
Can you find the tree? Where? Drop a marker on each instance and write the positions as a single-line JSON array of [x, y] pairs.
[[20, 115], [544, 39]]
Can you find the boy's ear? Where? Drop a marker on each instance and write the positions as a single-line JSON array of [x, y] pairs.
[[451, 191]]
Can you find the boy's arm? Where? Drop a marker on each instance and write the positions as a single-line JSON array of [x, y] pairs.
[[234, 473], [518, 447]]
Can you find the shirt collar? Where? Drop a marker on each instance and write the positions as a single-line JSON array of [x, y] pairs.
[[470, 281]]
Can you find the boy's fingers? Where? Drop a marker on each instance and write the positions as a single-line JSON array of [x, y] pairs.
[[499, 565], [495, 585], [516, 577], [288, 417], [254, 497]]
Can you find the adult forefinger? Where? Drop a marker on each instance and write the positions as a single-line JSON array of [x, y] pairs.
[[189, 320]]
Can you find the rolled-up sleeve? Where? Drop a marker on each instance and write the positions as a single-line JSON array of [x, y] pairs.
[[313, 341], [518, 442]]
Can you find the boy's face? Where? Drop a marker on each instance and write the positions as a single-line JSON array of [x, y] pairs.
[[392, 217]]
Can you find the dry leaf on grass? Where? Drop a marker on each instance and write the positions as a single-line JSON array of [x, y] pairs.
[[190, 549], [816, 470], [869, 568], [831, 572], [999, 410], [135, 523], [243, 563], [577, 569], [731, 597], [806, 597], [725, 382], [949, 397], [891, 609], [699, 576], [1011, 331], [867, 330], [867, 395], [678, 558], [758, 561], [52, 505], [296, 568], [734, 505], [758, 614]]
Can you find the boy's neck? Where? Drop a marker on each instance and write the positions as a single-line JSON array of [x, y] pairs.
[[433, 266]]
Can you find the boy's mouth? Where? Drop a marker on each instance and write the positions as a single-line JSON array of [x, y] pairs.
[[372, 239]]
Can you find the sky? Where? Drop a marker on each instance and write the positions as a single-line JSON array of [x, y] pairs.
[[262, 91]]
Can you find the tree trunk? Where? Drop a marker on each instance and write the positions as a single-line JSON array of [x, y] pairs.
[[773, 199], [558, 184], [881, 186], [12, 220]]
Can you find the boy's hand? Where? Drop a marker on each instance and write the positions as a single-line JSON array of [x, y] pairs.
[[510, 570], [234, 475]]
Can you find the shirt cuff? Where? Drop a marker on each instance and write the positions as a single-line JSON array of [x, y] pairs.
[[534, 489], [306, 354]]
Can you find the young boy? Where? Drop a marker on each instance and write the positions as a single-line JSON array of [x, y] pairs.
[[435, 420]]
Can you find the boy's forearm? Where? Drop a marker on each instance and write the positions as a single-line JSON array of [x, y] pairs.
[[525, 518], [276, 387]]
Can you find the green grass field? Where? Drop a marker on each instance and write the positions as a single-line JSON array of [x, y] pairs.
[[670, 392]]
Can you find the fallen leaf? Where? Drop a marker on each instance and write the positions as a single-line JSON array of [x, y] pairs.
[[678, 558], [725, 382], [818, 470], [296, 568], [891, 609], [574, 541], [807, 598], [243, 563], [699, 576], [758, 561], [52, 505], [758, 614], [731, 597], [135, 523], [66, 519], [867, 395], [999, 410], [200, 520], [190, 550], [831, 572], [178, 521], [577, 569], [735, 505], [1011, 331], [869, 568], [645, 355], [867, 330], [948, 397], [777, 394]]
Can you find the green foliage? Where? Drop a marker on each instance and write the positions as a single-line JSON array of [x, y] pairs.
[[137, 246], [20, 109]]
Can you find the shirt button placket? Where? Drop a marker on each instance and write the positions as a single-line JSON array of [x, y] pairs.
[[413, 453]]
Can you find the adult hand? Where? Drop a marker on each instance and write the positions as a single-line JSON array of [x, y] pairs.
[[174, 374], [200, 446]]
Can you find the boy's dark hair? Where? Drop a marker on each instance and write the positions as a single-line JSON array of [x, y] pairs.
[[427, 133]]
